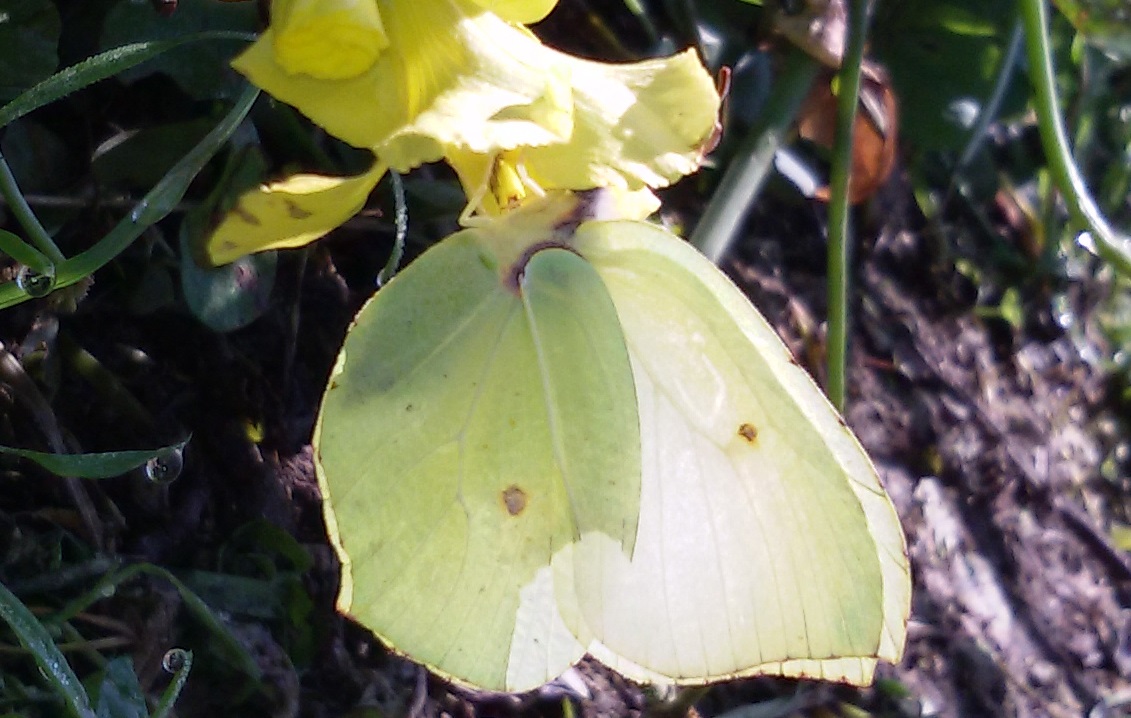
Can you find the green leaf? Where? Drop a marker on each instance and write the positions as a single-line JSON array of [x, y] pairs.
[[261, 537], [119, 694], [223, 642], [943, 56], [180, 662], [237, 595], [34, 637], [139, 159], [29, 36], [156, 204], [201, 70], [91, 70], [229, 297], [100, 465], [1105, 23]]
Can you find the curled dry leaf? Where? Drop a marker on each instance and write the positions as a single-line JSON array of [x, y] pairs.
[[874, 133]]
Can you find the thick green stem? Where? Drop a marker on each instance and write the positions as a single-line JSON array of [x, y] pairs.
[[719, 225], [848, 90], [1101, 238]]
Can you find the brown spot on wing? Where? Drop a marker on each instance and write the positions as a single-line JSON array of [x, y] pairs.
[[748, 432], [514, 499]]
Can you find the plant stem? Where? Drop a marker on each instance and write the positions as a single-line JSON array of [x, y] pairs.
[[401, 221], [848, 89], [25, 216], [24, 253], [721, 220], [1101, 238], [992, 105]]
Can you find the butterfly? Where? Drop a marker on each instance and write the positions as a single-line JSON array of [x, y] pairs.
[[555, 434]]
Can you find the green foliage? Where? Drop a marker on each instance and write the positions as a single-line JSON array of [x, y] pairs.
[[200, 69], [118, 693], [164, 160], [34, 637], [944, 57], [29, 32], [98, 465], [111, 692], [1106, 23], [229, 297]]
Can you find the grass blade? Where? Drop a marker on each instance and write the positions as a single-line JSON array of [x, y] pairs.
[[34, 637]]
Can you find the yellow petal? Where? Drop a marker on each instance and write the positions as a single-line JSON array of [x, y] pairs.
[[290, 213], [327, 39], [457, 78], [506, 103], [452, 74], [525, 12], [499, 185], [636, 126], [492, 183]]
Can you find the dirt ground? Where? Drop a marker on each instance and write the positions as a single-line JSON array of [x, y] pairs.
[[989, 437]]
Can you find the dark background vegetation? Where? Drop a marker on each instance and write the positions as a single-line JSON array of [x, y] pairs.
[[987, 372]]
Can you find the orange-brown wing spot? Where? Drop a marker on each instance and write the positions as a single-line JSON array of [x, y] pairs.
[[295, 211], [748, 432], [514, 498]]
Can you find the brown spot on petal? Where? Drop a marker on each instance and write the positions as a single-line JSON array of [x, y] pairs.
[[246, 216], [294, 210]]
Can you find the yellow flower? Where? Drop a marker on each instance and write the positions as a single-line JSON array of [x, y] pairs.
[[328, 41], [461, 80], [520, 11], [290, 213]]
